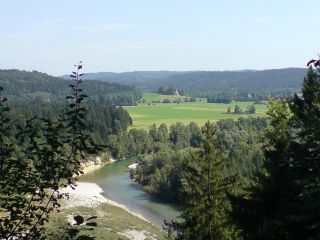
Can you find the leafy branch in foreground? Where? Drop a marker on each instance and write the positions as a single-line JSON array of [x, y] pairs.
[[43, 156]]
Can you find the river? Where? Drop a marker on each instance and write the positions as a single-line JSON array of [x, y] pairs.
[[115, 181]]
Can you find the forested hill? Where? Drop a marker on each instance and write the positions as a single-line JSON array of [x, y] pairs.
[[129, 77], [272, 82], [35, 87], [273, 79]]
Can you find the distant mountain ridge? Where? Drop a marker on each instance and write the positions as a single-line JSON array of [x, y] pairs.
[[289, 78], [203, 83], [128, 77]]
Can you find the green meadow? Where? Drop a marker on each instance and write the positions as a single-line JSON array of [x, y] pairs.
[[146, 114]]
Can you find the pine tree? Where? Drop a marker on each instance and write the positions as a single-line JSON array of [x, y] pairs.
[[153, 133], [285, 201], [251, 109], [206, 183], [306, 150], [163, 133], [237, 110], [260, 211]]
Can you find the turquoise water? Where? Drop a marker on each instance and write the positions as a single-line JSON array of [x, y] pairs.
[[115, 181]]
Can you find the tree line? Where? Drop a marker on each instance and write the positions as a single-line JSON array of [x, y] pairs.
[[215, 96], [101, 120], [251, 109], [170, 91]]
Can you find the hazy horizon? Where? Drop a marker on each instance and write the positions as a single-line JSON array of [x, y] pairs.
[[86, 72], [126, 36]]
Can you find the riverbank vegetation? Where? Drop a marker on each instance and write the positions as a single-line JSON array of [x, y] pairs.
[[161, 173]]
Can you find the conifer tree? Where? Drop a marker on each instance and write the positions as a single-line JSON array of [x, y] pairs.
[[306, 152], [237, 110], [260, 211], [206, 184], [284, 203]]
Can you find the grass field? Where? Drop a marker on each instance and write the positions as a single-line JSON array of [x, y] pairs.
[[144, 115]]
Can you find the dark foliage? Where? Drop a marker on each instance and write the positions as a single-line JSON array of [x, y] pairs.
[[284, 201], [218, 100], [101, 121], [205, 183]]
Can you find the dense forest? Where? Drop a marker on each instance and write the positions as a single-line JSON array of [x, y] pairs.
[[34, 94], [101, 120], [239, 85], [35, 87], [161, 172]]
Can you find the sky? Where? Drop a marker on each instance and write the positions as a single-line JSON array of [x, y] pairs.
[[131, 35]]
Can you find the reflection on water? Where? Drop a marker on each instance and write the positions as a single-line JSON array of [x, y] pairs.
[[115, 180]]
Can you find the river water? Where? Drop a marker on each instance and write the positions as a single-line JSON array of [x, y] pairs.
[[115, 181]]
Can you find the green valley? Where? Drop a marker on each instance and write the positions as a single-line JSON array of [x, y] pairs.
[[145, 114]]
